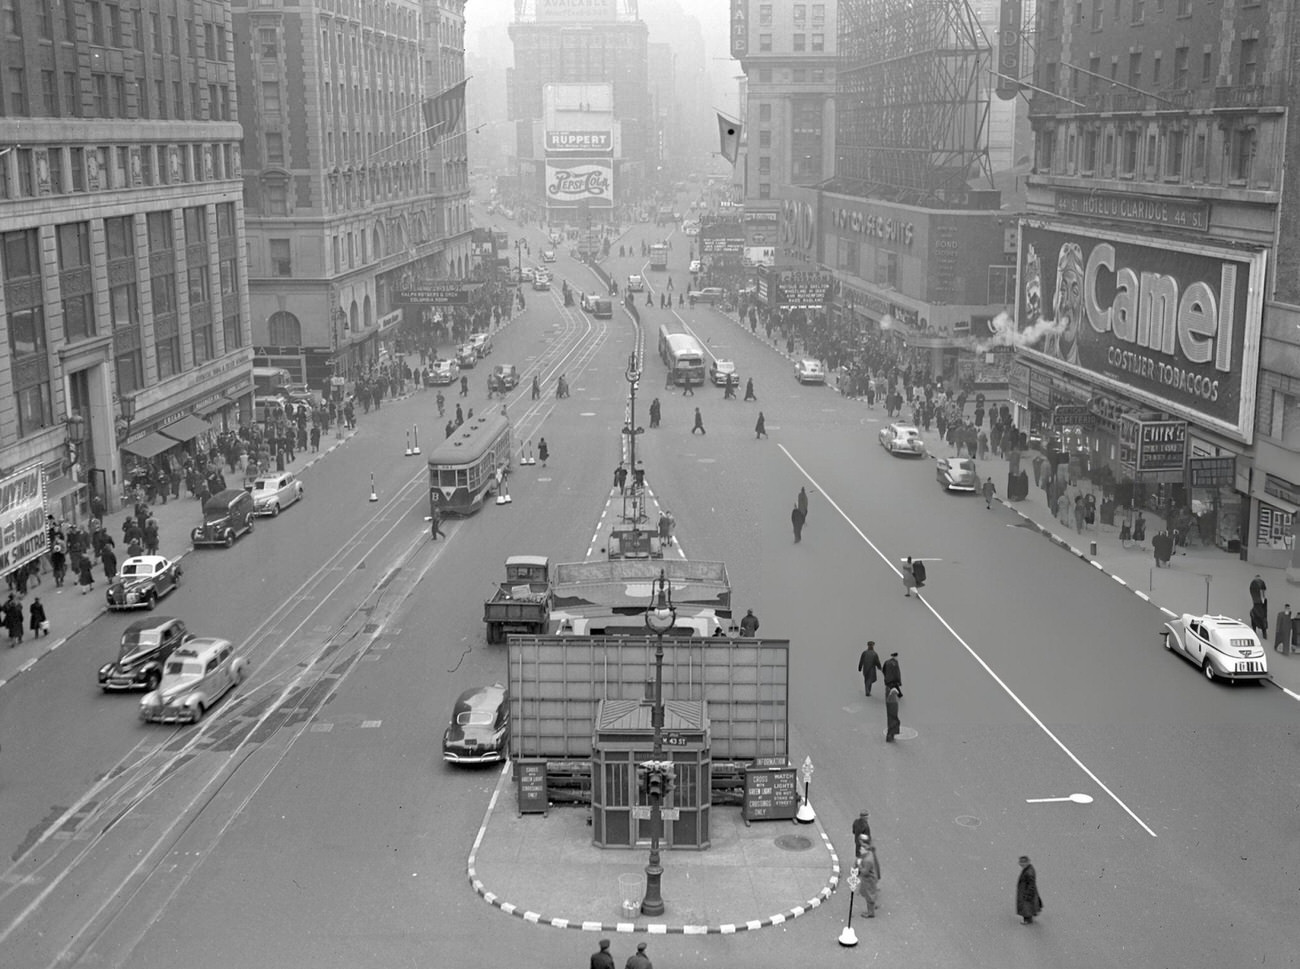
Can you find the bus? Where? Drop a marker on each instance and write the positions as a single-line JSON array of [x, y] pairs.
[[658, 256], [682, 355], [462, 469]]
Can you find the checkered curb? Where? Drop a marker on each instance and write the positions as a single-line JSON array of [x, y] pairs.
[[652, 928]]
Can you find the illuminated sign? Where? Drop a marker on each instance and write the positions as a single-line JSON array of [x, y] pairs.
[[572, 182], [886, 228], [1174, 325], [739, 28], [1009, 24], [798, 225], [807, 289]]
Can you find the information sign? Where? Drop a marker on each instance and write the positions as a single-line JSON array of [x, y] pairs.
[[1212, 472], [530, 780], [435, 294], [771, 793]]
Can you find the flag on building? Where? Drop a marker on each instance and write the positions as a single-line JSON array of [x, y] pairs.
[[729, 138], [442, 113]]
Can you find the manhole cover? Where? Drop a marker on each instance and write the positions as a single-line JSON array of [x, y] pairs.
[[905, 733], [966, 821], [793, 842]]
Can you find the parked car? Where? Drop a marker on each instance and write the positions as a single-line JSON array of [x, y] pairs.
[[548, 255], [144, 648], [195, 676], [526, 274], [1223, 647], [466, 357], [808, 371], [898, 438], [635, 284], [482, 344], [141, 581], [479, 731], [226, 515], [442, 372], [504, 377], [720, 371], [275, 492], [955, 474], [300, 394], [709, 294]]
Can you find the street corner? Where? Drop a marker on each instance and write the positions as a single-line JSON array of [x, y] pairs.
[[545, 869]]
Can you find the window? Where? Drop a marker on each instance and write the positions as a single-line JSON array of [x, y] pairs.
[[163, 290], [886, 268], [199, 291], [78, 317], [274, 148], [1138, 11], [765, 15], [765, 42], [765, 165], [221, 43], [818, 42], [1175, 142], [74, 245], [268, 43], [119, 234], [819, 76], [799, 75], [209, 42], [49, 94], [765, 112], [1241, 154], [201, 340], [1180, 67], [77, 168], [71, 94], [27, 331], [141, 98], [232, 332], [119, 96], [123, 304], [21, 256], [800, 12], [1155, 69], [174, 29], [34, 410], [800, 42], [1248, 63], [114, 23], [765, 75], [281, 265], [1207, 65], [55, 160], [1135, 69], [1184, 8], [819, 13], [271, 97], [1089, 160], [1098, 14], [137, 29], [17, 92], [96, 23], [167, 353], [1094, 70], [160, 232], [26, 172], [764, 190], [196, 226], [229, 277], [99, 85], [130, 371], [155, 30], [178, 101], [225, 220], [277, 198], [45, 21], [1129, 161]]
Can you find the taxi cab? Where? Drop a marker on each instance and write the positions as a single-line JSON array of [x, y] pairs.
[[899, 438], [141, 581], [442, 372], [541, 280], [195, 676], [481, 342], [1223, 647], [466, 357]]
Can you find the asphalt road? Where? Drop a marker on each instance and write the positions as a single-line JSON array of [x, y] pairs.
[[312, 822]]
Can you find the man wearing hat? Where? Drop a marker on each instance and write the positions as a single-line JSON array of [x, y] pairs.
[[892, 674], [868, 663], [639, 960], [861, 827], [602, 959], [1028, 902], [892, 724]]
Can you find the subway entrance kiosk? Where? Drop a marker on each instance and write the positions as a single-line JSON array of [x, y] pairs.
[[623, 737]]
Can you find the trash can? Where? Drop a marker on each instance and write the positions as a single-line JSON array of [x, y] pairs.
[[629, 894]]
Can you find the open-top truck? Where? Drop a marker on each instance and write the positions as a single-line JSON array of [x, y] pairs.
[[522, 603]]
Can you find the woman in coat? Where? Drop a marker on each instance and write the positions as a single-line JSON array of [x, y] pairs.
[[14, 623], [37, 612], [85, 577], [1028, 902]]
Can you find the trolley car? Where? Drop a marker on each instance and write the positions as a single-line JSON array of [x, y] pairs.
[[462, 469]]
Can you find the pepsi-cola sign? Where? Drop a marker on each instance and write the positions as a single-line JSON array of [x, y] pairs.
[[1176, 325], [572, 182]]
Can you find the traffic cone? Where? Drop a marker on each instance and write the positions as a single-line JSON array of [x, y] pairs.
[[409, 452], [374, 496], [501, 499], [415, 431]]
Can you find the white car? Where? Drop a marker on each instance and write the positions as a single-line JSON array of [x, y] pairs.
[[696, 266], [526, 274], [721, 371], [548, 255], [1223, 647], [808, 371], [196, 675], [900, 438], [276, 492], [541, 280], [635, 284]]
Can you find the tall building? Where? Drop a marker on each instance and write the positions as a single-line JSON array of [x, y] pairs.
[[1158, 301], [349, 193], [121, 243], [597, 42]]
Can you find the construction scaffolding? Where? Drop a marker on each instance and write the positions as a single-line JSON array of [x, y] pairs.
[[912, 101]]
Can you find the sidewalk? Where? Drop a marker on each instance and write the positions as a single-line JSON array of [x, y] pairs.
[[1199, 578], [750, 876], [70, 611]]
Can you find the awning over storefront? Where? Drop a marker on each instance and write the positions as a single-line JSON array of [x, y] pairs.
[[187, 428], [149, 445], [60, 487], [218, 405]]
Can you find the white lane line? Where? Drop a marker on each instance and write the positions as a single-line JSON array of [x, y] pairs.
[[974, 655]]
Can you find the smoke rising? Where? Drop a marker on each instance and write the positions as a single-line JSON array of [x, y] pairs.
[[1005, 333]]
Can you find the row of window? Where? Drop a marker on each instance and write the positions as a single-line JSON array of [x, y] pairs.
[[1134, 152], [112, 96], [799, 13], [799, 43], [107, 25], [797, 75], [1096, 14], [1136, 70], [58, 170]]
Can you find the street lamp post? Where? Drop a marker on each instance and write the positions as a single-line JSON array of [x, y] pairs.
[[633, 377], [126, 407], [519, 253], [659, 618]]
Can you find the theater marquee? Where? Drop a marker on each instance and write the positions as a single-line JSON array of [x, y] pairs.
[[1175, 324]]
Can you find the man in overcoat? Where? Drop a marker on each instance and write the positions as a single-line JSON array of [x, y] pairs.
[[868, 663], [1028, 902]]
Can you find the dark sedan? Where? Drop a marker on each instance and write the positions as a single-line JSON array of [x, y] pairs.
[[479, 731], [142, 581]]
